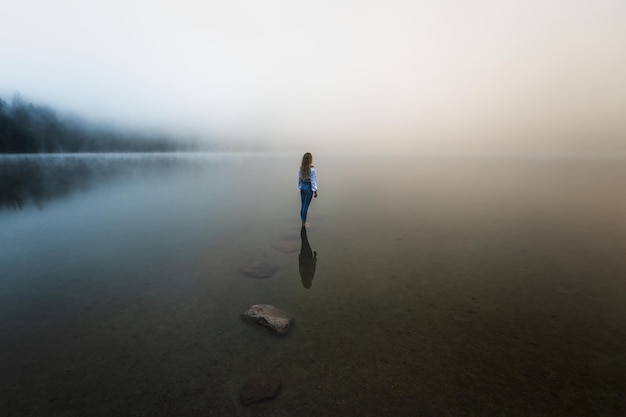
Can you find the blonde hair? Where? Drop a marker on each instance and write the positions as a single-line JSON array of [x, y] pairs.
[[305, 167]]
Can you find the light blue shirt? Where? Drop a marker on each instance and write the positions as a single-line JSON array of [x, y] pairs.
[[313, 179]]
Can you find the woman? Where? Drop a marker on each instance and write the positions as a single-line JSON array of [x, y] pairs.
[[307, 183]]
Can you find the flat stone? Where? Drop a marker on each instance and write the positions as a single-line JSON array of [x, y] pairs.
[[259, 388], [259, 270], [290, 236], [269, 316], [287, 247]]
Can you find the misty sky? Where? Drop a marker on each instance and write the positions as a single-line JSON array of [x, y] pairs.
[[332, 75]]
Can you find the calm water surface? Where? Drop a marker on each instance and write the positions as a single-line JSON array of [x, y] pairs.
[[444, 286]]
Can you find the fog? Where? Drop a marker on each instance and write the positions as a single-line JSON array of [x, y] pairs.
[[332, 75]]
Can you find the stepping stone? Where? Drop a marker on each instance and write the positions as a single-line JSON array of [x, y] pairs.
[[287, 247], [296, 234], [259, 269], [259, 388], [269, 316], [290, 236]]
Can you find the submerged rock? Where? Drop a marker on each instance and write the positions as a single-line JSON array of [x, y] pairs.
[[259, 388], [269, 316], [290, 236], [259, 270], [288, 247]]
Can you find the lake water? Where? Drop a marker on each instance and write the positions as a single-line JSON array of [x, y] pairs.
[[444, 285]]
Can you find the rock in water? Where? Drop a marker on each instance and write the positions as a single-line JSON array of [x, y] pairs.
[[269, 316], [288, 247], [259, 389], [259, 270], [290, 236]]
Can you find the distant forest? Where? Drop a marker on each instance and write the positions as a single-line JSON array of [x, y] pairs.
[[28, 128]]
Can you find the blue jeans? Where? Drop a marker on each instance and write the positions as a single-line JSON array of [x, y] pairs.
[[306, 195]]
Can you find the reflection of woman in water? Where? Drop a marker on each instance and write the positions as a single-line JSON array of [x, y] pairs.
[[307, 183], [307, 259]]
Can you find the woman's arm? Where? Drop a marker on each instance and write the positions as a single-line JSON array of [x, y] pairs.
[[313, 181]]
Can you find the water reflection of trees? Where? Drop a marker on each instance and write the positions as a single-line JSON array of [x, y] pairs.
[[38, 179]]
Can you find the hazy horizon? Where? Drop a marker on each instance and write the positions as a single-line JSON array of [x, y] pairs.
[[322, 76]]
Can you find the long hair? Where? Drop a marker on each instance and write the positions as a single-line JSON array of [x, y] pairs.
[[305, 168]]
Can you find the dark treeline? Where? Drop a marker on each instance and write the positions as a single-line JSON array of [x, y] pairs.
[[28, 128]]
